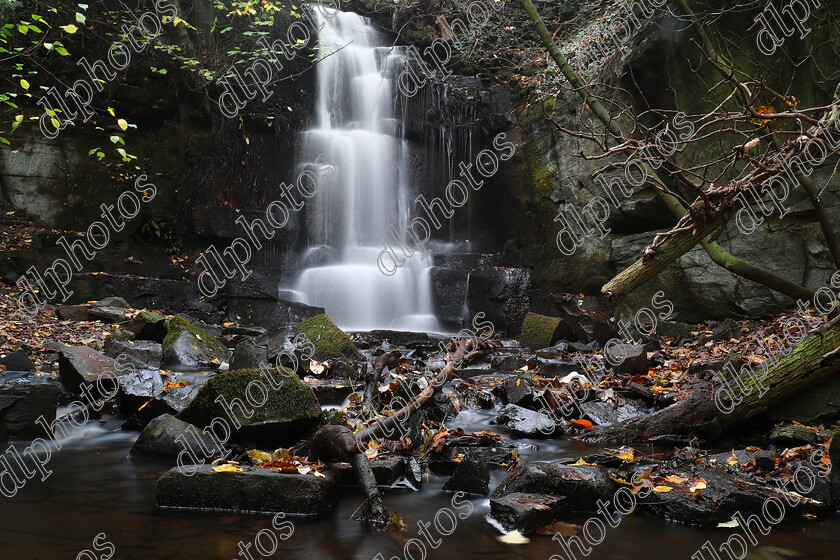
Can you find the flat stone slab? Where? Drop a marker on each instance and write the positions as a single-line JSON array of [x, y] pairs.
[[253, 490]]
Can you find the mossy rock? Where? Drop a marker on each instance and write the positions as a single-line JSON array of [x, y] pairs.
[[148, 325], [283, 399], [188, 345], [330, 341], [123, 335], [541, 331]]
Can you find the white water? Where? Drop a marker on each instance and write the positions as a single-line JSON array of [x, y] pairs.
[[354, 127]]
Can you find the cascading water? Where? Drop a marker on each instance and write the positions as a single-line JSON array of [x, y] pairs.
[[356, 131]]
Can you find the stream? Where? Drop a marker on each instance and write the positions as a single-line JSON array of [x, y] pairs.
[[96, 487]]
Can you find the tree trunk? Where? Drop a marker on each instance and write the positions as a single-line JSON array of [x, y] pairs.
[[708, 411]]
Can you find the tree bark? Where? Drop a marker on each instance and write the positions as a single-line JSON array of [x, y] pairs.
[[707, 412]]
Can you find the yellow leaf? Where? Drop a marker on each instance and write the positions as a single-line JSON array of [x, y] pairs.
[[676, 479], [580, 462], [69, 28], [733, 459], [753, 448], [701, 485], [320, 475], [729, 524], [122, 123], [24, 84], [227, 468], [662, 489], [111, 110]]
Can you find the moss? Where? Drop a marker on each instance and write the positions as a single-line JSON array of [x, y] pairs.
[[288, 397], [119, 335], [330, 341], [539, 331], [203, 340], [150, 317]]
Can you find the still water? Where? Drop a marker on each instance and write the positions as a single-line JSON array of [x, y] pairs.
[[96, 487]]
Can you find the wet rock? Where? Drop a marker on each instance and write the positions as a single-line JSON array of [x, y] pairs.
[[248, 355], [22, 401], [558, 368], [583, 485], [507, 362], [470, 476], [527, 422], [165, 435], [401, 338], [630, 358], [497, 456], [586, 324], [540, 331], [142, 354], [265, 348], [266, 405], [386, 470], [726, 329], [72, 312], [330, 341], [188, 345], [602, 414], [502, 294], [255, 490], [518, 391], [270, 313], [17, 361], [113, 301], [525, 511], [449, 287], [794, 436], [148, 325], [80, 364], [332, 391]]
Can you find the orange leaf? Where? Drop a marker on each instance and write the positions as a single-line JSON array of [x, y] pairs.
[[582, 424]]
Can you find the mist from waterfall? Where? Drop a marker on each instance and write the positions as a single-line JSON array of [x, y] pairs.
[[354, 127]]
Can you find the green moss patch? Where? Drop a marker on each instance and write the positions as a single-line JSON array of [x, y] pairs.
[[286, 398], [540, 331], [330, 341]]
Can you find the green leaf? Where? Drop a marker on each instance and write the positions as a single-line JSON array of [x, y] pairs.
[[23, 29], [5, 141], [116, 139], [80, 17], [69, 28], [34, 28], [62, 51], [90, 153], [24, 84]]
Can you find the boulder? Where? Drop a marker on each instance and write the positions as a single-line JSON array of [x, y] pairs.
[[22, 402], [72, 312], [188, 345], [583, 485], [448, 290], [794, 436], [502, 294], [330, 341], [470, 476], [540, 331], [629, 358], [148, 325], [834, 475], [265, 404], [113, 301], [270, 313], [142, 354], [108, 314], [527, 422], [80, 364], [17, 361], [526, 511], [401, 338], [815, 405], [164, 437], [253, 490], [587, 325], [265, 348]]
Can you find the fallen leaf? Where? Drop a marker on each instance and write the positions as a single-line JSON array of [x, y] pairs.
[[699, 485], [564, 529], [662, 489], [514, 537], [729, 524], [397, 522], [227, 468], [582, 424], [676, 479], [733, 459], [580, 462]]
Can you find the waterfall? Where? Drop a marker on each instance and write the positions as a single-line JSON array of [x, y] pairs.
[[355, 129]]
